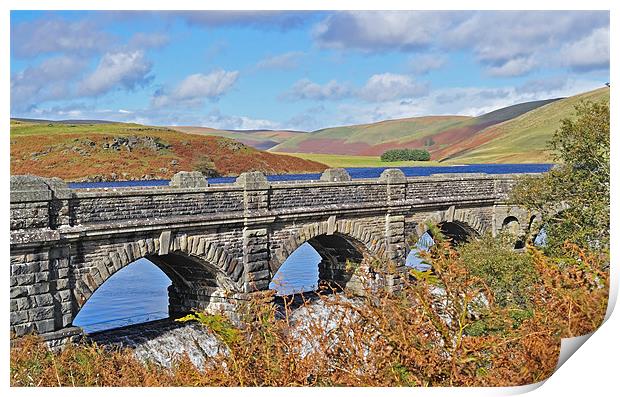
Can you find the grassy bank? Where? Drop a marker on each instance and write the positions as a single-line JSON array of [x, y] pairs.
[[347, 161]]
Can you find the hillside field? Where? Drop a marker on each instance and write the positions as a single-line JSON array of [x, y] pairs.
[[119, 151], [515, 134]]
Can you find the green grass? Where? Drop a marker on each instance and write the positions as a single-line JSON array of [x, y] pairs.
[[346, 161], [524, 138], [377, 133], [20, 129]]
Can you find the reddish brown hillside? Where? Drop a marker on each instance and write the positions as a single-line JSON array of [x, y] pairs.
[[129, 152]]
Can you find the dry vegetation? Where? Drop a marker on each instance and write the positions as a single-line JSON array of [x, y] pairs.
[[117, 151], [443, 329]]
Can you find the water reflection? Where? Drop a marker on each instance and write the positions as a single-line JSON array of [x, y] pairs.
[[299, 273], [135, 294], [422, 245]]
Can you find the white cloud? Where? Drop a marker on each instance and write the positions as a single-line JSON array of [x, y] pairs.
[[422, 64], [591, 52], [378, 88], [40, 36], [215, 119], [466, 101], [143, 40], [283, 20], [50, 80], [289, 60], [306, 89], [196, 88], [389, 86], [211, 85], [380, 30], [118, 69], [513, 67], [507, 42]]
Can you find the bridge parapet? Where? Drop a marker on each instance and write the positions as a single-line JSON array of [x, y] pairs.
[[40, 203]]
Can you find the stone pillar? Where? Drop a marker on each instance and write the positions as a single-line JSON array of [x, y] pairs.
[[396, 251], [257, 274], [255, 192], [256, 259], [40, 281], [38, 202]]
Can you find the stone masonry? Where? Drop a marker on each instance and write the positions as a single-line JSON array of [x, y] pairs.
[[220, 244]]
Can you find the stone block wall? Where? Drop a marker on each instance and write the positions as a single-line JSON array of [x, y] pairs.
[[220, 243]]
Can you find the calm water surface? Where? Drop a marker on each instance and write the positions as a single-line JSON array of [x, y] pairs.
[[138, 293]]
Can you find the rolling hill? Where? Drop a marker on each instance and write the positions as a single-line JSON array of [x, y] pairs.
[[432, 133], [259, 139], [83, 151], [514, 134], [521, 139]]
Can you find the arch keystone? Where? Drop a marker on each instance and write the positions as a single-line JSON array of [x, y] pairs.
[[164, 242], [331, 225]]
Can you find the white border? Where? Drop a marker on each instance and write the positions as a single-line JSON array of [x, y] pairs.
[[593, 370]]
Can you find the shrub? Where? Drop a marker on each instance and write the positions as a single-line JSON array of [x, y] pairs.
[[509, 274], [206, 166], [405, 155], [578, 186], [440, 329]]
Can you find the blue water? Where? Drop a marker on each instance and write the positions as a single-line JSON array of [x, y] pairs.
[[138, 293], [356, 173], [135, 294]]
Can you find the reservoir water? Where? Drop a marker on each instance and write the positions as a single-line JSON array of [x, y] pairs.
[[138, 293]]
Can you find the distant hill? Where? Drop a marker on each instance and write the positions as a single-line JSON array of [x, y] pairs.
[[522, 139], [432, 133], [514, 134], [259, 139], [89, 150], [64, 121]]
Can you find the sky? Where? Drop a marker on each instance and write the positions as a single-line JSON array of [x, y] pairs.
[[297, 70]]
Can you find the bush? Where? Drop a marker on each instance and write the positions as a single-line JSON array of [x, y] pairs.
[[444, 328], [406, 155], [578, 186], [509, 274], [206, 166]]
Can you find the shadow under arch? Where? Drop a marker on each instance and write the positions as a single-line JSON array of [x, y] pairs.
[[512, 226], [458, 232]]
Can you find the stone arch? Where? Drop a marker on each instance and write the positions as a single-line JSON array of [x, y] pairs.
[[196, 254], [511, 224], [354, 231], [513, 227], [339, 244], [468, 220]]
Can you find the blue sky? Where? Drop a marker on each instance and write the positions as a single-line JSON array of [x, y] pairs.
[[297, 70]]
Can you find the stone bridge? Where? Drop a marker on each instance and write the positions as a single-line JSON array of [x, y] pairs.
[[220, 244]]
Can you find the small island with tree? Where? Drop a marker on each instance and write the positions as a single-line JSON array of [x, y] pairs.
[[405, 155]]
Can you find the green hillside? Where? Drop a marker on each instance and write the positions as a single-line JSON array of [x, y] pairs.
[[433, 133], [522, 139], [259, 139]]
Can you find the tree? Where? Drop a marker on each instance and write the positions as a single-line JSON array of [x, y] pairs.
[[573, 198], [406, 155]]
